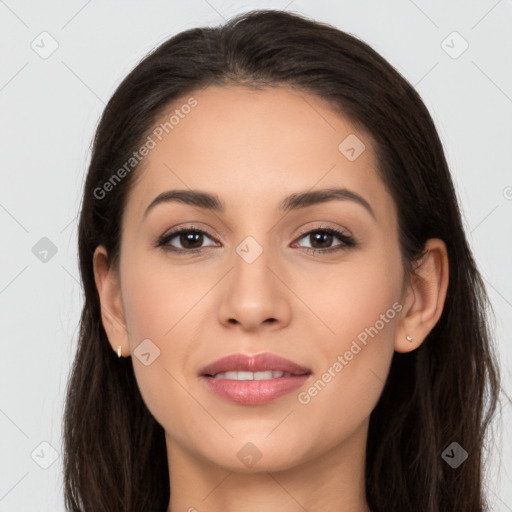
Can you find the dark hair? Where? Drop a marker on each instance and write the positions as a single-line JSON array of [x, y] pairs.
[[445, 391]]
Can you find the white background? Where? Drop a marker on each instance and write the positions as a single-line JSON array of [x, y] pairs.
[[50, 108]]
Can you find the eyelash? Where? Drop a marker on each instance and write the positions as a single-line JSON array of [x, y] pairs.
[[347, 241]]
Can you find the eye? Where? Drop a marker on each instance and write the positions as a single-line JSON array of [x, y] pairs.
[[190, 238], [323, 237]]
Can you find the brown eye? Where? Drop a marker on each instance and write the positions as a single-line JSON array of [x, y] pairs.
[[189, 240], [321, 240]]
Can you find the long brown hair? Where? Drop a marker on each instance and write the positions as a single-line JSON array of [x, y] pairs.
[[445, 391]]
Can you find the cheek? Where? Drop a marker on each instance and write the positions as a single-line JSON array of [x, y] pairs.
[[359, 312], [355, 296], [161, 303], [157, 296]]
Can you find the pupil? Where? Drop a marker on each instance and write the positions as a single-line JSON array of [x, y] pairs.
[[189, 237], [327, 238]]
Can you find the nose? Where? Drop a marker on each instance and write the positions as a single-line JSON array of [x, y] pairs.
[[254, 295]]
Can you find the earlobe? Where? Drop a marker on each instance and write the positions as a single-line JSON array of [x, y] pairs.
[[425, 297], [109, 291]]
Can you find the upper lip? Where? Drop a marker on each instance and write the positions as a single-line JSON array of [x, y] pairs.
[[254, 363]]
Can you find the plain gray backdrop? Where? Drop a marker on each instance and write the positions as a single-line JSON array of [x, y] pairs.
[[61, 62]]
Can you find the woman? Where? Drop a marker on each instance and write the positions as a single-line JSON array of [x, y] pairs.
[[281, 308]]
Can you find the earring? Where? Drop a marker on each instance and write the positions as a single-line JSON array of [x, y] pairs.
[[409, 338], [119, 351]]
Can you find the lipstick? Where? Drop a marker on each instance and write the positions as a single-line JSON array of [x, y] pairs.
[[253, 379]]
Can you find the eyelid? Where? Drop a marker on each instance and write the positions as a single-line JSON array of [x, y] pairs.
[[343, 230], [186, 227]]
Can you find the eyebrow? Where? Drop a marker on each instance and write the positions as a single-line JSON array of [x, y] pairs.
[[294, 201]]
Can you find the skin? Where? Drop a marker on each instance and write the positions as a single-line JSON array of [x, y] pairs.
[[252, 148]]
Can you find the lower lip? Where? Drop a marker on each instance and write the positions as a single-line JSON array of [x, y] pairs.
[[254, 392]]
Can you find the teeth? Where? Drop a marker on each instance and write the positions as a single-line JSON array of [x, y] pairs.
[[270, 374], [245, 375]]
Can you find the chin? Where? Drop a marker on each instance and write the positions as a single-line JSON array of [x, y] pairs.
[[250, 455]]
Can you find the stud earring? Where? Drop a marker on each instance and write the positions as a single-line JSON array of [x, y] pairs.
[[119, 351], [409, 338]]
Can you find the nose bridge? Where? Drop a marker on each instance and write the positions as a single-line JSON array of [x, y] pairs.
[[253, 294], [250, 249], [254, 239], [252, 258]]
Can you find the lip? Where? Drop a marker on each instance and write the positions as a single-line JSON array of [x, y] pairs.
[[253, 363], [254, 392]]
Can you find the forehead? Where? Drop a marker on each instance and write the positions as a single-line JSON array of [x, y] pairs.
[[254, 146]]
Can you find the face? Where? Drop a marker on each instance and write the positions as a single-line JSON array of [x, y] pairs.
[[318, 282]]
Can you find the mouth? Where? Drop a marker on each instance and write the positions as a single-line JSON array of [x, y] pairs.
[[253, 380], [242, 375]]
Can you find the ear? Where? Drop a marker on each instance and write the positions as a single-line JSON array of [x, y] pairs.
[[424, 297], [112, 311]]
